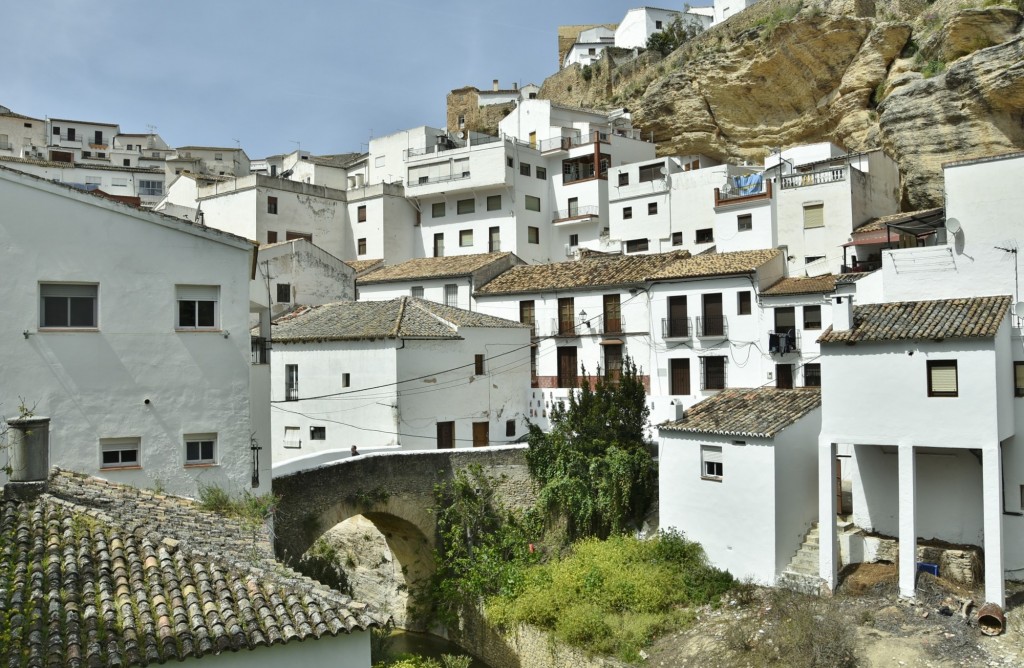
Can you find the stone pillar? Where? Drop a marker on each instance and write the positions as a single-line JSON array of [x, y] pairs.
[[29, 452], [828, 552], [908, 521], [992, 505]]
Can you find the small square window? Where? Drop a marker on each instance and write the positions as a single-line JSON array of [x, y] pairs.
[[942, 378], [542, 173], [636, 245], [744, 222], [284, 293], [814, 215], [494, 202], [361, 246], [743, 302], [345, 380], [200, 449], [292, 438], [361, 213], [218, 156], [812, 317], [127, 162], [705, 236], [67, 305], [271, 237], [677, 238], [533, 235], [812, 375], [116, 453], [318, 433], [437, 210], [478, 365], [657, 25], [652, 208], [711, 461], [627, 212], [574, 240], [272, 205], [623, 178], [197, 306], [510, 428], [465, 238], [416, 291], [532, 203], [510, 161], [464, 206]]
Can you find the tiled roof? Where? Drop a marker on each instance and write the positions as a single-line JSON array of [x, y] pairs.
[[802, 285], [433, 267], [82, 586], [760, 412], [12, 114], [590, 271], [717, 264], [876, 224], [41, 163], [338, 159], [363, 266], [973, 318], [391, 319], [68, 120]]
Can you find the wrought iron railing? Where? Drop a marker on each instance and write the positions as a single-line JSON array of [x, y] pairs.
[[712, 326], [260, 350], [576, 212], [675, 328]]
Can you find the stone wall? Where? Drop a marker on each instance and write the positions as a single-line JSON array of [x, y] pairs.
[[466, 102]]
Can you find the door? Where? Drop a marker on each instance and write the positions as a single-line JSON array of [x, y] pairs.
[[679, 376], [439, 244], [612, 314], [714, 323], [98, 137], [567, 366], [494, 239], [445, 435], [613, 362], [574, 207], [784, 376], [677, 324], [481, 434]]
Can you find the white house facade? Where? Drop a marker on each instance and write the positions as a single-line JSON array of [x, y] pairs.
[[299, 273]]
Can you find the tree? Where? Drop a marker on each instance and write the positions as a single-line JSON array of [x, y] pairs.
[[594, 467], [674, 35]]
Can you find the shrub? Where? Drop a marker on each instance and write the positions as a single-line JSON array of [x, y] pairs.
[[587, 73]]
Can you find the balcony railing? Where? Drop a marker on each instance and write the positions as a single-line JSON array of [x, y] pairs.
[[291, 393], [675, 328], [151, 192], [799, 180], [613, 325], [556, 144], [583, 172], [783, 342], [712, 326], [260, 350], [858, 266], [426, 180], [588, 211], [563, 327]]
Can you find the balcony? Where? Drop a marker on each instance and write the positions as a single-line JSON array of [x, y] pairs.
[[440, 178], [260, 350], [712, 326], [858, 266], [783, 342], [729, 198], [291, 393], [563, 328], [676, 328], [556, 144], [613, 325], [583, 172], [803, 179], [450, 144], [576, 214]]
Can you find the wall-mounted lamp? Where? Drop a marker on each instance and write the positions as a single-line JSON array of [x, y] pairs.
[[226, 333], [26, 333]]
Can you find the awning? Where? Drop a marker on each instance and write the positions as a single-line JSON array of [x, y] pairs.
[[611, 342], [874, 237]]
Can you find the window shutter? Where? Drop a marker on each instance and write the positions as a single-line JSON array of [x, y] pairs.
[[1018, 375], [198, 293], [67, 290], [944, 379], [814, 215], [711, 453]]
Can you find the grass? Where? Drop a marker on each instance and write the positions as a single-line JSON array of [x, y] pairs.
[[771, 22], [614, 597], [248, 506]]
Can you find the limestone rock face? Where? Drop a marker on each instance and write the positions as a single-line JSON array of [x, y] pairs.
[[756, 82]]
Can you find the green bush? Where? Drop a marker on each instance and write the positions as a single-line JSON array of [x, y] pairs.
[[587, 73]]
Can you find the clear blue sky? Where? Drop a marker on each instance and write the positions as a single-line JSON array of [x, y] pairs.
[[324, 73]]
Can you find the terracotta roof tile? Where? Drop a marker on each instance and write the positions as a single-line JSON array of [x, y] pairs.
[[433, 267], [717, 264], [364, 266], [395, 318], [759, 412], [876, 224], [803, 286], [973, 318]]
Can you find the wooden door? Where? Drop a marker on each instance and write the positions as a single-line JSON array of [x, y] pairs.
[[481, 434], [677, 322], [567, 366], [679, 376], [784, 376], [445, 435], [714, 323]]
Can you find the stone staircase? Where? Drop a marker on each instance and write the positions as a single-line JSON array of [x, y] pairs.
[[802, 573]]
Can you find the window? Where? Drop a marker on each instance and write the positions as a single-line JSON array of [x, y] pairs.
[[510, 161], [291, 382], [346, 380], [574, 240], [612, 314], [318, 433], [93, 180], [636, 245], [533, 235], [527, 314], [439, 244], [524, 168], [677, 238], [711, 462], [942, 379], [679, 376], [127, 162], [465, 238], [462, 121], [567, 366], [478, 365], [510, 428], [284, 293], [613, 362], [678, 323], [743, 302], [117, 453], [784, 376], [291, 437], [811, 259], [437, 210], [623, 178], [542, 173], [652, 208], [744, 222], [812, 317], [713, 318], [574, 207], [56, 130], [272, 205], [71, 134], [67, 305], [417, 291], [197, 306], [650, 172], [814, 216], [292, 236], [812, 375], [361, 213], [361, 246], [657, 25], [1018, 379], [115, 181], [785, 319], [218, 156], [712, 373], [464, 206], [566, 316], [271, 237], [494, 202], [705, 236], [451, 295], [200, 449], [493, 239], [532, 203]]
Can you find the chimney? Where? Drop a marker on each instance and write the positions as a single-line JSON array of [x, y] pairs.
[[29, 457], [495, 85], [842, 313], [515, 85]]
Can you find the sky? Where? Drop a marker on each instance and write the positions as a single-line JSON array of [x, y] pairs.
[[275, 76]]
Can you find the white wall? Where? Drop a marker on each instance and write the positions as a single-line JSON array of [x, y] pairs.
[[796, 485], [93, 384], [23, 140], [433, 290], [313, 275], [345, 650]]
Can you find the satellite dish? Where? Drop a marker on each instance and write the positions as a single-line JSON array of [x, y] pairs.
[[461, 135], [662, 171], [1018, 309], [953, 226]]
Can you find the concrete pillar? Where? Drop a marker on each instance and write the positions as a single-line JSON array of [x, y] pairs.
[[908, 521], [828, 546], [992, 505]]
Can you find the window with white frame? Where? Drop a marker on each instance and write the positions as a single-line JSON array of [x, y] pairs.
[[292, 439], [711, 461], [117, 453], [68, 305], [200, 449], [197, 306]]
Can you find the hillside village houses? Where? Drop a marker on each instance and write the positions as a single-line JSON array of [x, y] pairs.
[[632, 32]]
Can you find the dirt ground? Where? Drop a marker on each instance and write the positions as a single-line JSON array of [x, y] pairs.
[[930, 631]]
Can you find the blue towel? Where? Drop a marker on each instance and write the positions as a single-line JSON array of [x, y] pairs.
[[748, 185]]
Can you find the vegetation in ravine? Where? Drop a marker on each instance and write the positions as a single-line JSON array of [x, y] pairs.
[[677, 33]]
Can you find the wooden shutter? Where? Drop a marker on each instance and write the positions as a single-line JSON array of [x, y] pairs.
[[680, 376], [942, 378], [814, 215], [481, 434], [711, 453]]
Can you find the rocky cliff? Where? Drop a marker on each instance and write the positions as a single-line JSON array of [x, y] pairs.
[[929, 83]]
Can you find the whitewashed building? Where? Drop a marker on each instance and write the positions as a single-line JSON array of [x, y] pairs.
[[405, 374], [297, 272], [130, 331], [640, 23], [78, 141], [21, 136], [737, 474], [723, 9], [589, 46], [213, 160]]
